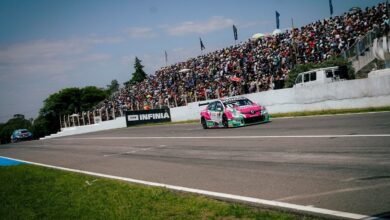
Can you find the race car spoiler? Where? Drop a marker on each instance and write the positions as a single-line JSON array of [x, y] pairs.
[[205, 103]]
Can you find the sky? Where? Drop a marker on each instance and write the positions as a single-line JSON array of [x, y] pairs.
[[49, 45]]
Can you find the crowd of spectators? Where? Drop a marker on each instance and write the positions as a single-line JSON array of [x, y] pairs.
[[252, 66]]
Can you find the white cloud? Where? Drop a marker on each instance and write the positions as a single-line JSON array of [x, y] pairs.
[[97, 57], [140, 32], [48, 57], [253, 24], [189, 27], [103, 40]]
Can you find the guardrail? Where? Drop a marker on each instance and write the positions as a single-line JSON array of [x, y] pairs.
[[361, 53]]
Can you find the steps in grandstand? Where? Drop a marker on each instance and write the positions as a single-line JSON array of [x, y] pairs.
[[361, 53], [363, 60]]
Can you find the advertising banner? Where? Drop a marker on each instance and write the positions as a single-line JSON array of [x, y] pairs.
[[147, 116]]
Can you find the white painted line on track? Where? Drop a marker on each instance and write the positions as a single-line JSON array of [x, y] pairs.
[[305, 196], [229, 137], [308, 209], [328, 115], [129, 152]]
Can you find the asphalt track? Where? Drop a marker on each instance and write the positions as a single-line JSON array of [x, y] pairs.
[[337, 162]]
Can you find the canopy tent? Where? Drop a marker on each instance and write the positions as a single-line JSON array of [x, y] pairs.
[[276, 32], [184, 70], [257, 35]]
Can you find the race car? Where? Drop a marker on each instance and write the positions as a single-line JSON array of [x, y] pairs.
[[232, 112], [21, 135]]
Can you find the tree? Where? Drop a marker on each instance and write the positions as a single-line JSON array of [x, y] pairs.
[[139, 75], [333, 61], [113, 87], [91, 96], [66, 102], [40, 127], [11, 125]]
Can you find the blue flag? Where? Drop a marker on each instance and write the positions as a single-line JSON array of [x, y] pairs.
[[202, 47], [235, 32], [277, 19], [331, 7]]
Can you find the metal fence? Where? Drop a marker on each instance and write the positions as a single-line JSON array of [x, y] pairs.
[[362, 45]]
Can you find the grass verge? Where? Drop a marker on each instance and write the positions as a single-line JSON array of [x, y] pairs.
[[331, 112], [32, 192]]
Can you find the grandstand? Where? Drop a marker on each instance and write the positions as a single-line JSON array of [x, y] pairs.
[[253, 66]]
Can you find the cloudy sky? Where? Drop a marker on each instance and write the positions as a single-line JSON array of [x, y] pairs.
[[48, 45]]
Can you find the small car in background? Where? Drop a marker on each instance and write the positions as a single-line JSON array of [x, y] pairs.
[[232, 112], [21, 135]]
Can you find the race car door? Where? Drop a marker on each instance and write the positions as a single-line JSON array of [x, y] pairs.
[[216, 112]]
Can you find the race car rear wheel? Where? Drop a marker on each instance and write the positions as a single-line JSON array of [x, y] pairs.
[[203, 122], [225, 122]]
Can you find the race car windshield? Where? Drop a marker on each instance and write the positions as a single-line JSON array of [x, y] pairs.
[[239, 102]]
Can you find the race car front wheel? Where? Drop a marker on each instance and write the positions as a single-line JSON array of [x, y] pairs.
[[225, 122], [203, 122]]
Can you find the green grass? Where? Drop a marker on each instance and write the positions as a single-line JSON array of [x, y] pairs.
[[331, 112], [32, 192]]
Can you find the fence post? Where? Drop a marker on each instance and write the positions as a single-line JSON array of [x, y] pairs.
[[82, 115], [65, 122]]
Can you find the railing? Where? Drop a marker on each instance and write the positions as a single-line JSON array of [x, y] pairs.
[[360, 53], [360, 46]]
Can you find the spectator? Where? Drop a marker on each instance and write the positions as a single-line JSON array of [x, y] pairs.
[[260, 65]]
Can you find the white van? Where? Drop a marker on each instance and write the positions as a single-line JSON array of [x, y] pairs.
[[321, 76]]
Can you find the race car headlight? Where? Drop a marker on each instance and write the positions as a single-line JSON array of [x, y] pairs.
[[235, 114], [264, 111]]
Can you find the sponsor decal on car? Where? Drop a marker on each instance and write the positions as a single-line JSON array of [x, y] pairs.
[[232, 112]]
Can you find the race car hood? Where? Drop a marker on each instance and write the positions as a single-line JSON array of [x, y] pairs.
[[247, 109]]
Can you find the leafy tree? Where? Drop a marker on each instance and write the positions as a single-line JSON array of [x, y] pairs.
[[1, 137], [333, 61], [11, 125], [40, 127], [66, 102], [91, 96], [139, 75], [113, 87]]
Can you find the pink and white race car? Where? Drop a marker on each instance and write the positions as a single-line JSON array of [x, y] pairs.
[[232, 112]]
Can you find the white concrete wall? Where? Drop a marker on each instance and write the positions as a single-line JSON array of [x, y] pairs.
[[104, 125], [362, 93]]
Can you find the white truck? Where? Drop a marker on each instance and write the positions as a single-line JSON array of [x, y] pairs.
[[321, 76]]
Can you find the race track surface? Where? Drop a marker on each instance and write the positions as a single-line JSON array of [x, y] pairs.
[[334, 162]]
